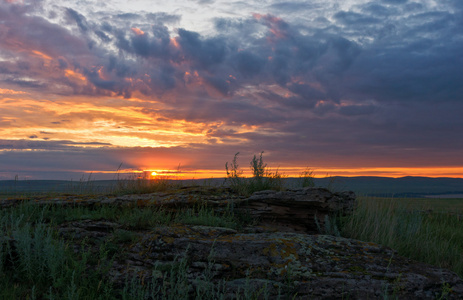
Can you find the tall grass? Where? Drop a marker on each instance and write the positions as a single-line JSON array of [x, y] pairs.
[[35, 263], [263, 178], [136, 185], [432, 237]]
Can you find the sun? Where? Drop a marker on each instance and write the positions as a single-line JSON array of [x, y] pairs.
[[154, 174]]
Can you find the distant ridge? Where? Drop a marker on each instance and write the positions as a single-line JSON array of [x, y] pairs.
[[408, 186]]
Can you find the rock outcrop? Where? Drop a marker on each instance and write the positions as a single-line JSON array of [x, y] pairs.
[[297, 210], [283, 264], [294, 210]]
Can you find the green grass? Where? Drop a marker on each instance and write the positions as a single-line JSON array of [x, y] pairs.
[[39, 265], [435, 204], [421, 229], [36, 264]]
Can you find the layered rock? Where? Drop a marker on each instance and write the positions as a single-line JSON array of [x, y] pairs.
[[297, 210]]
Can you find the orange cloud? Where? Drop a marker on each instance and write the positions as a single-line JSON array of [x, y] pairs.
[[102, 74], [174, 42], [137, 31], [11, 92], [71, 74], [118, 123], [41, 55]]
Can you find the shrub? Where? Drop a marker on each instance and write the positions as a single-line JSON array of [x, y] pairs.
[[306, 178], [262, 177]]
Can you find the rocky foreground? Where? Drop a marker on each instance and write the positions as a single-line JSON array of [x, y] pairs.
[[282, 255]]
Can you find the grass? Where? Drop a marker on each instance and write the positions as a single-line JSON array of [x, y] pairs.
[[262, 177], [136, 185], [415, 228], [36, 264]]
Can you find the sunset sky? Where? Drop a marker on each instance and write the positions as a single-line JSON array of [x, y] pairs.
[[346, 88]]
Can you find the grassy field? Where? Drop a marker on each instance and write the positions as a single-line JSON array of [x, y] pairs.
[[436, 204], [424, 229]]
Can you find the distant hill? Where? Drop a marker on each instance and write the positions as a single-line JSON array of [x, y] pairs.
[[396, 187], [24, 187], [364, 185]]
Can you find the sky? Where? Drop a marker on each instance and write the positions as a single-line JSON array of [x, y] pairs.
[[349, 88]]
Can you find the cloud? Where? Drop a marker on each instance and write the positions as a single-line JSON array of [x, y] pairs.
[[78, 18], [337, 79], [45, 145], [279, 54], [395, 1], [204, 53], [355, 19], [292, 6], [249, 64]]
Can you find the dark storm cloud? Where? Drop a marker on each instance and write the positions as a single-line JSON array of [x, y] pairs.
[[95, 79], [151, 46], [248, 63], [205, 52]]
